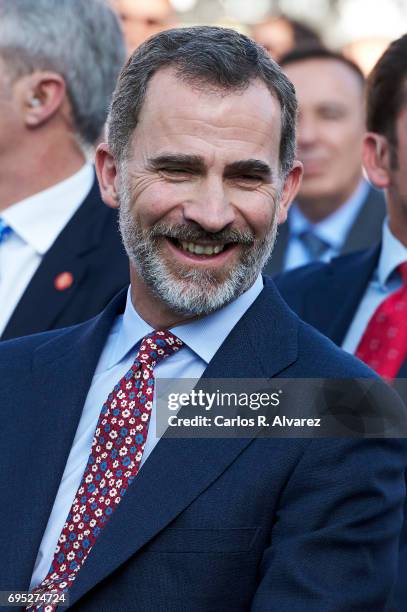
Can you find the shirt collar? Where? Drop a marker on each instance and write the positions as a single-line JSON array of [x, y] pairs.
[[203, 336], [392, 254], [335, 227], [39, 219]]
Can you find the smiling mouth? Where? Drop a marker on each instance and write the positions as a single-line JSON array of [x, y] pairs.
[[197, 248]]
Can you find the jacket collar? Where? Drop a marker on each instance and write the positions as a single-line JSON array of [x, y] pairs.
[[332, 302]]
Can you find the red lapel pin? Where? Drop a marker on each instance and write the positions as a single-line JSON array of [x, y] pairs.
[[63, 281]]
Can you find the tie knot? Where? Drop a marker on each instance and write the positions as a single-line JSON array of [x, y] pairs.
[[5, 230], [315, 245], [403, 272], [157, 346]]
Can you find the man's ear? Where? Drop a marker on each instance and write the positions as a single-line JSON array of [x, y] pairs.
[[376, 159], [42, 95], [290, 189], [106, 170]]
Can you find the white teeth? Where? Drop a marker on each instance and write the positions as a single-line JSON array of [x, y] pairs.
[[199, 249]]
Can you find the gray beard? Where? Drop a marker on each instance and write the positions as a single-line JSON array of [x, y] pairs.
[[187, 291]]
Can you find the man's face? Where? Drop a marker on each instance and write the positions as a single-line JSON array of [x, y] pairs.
[[397, 186], [330, 129], [199, 195], [141, 19]]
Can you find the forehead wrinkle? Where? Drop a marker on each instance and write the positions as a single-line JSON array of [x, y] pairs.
[[206, 138], [209, 123]]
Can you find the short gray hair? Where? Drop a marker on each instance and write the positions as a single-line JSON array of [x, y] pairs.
[[79, 39], [202, 55]]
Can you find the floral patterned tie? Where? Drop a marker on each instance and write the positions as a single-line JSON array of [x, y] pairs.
[[113, 463], [383, 346]]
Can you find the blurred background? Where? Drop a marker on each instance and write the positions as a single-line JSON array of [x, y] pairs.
[[360, 28]]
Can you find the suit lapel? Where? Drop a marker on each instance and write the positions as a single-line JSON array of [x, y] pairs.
[[276, 262], [332, 303], [367, 227], [62, 371], [42, 301], [178, 470], [403, 372]]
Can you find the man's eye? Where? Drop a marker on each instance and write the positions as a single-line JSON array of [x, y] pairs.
[[175, 170], [251, 179], [331, 113]]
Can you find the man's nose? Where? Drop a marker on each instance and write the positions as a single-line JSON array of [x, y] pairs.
[[307, 132], [210, 207]]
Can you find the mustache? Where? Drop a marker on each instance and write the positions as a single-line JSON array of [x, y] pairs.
[[194, 233]]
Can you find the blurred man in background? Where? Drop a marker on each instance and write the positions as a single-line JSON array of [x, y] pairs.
[[336, 210], [348, 299], [61, 258], [279, 35], [141, 19], [360, 300]]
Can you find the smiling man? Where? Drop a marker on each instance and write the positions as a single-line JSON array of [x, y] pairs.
[[201, 195], [200, 162]]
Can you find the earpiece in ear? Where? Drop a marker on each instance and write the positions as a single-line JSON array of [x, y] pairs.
[[35, 102]]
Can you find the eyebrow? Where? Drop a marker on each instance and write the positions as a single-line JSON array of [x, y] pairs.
[[176, 160], [249, 166], [195, 163]]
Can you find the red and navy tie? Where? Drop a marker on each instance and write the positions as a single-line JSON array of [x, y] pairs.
[[383, 346], [113, 463]]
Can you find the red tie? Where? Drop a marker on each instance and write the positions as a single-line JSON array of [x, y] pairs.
[[113, 463], [383, 346]]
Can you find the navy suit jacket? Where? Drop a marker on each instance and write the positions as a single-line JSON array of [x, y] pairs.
[[327, 296], [90, 248], [208, 525]]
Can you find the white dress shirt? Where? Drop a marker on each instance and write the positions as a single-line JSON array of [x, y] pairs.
[[202, 338], [333, 229], [36, 223], [385, 281]]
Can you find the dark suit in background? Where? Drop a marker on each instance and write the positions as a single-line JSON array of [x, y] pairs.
[[90, 249], [365, 232], [208, 525], [85, 266], [327, 296]]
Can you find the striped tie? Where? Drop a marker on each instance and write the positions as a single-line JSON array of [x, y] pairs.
[[5, 230]]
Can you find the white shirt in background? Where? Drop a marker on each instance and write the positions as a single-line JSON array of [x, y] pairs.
[[36, 223], [333, 229]]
